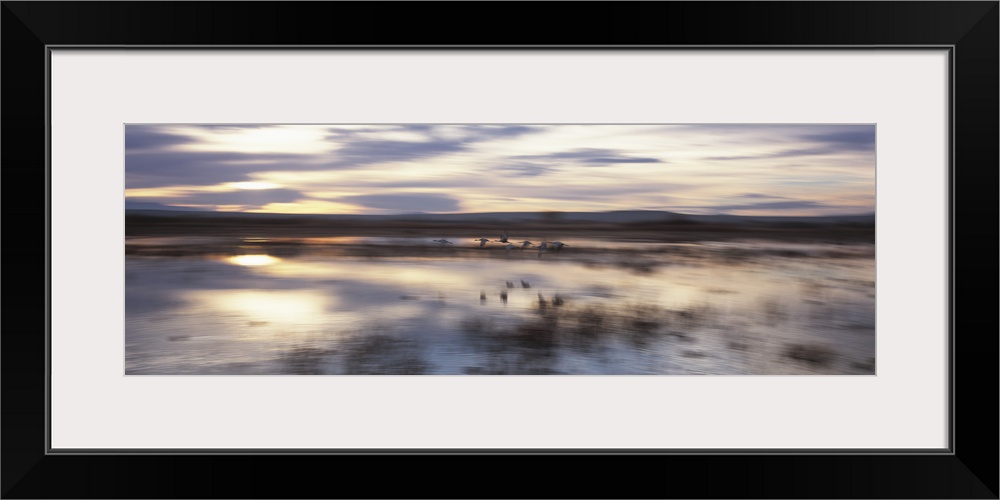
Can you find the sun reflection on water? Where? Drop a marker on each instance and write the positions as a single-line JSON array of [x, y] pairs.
[[283, 306], [253, 260]]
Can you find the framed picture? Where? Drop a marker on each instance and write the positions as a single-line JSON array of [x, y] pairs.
[[697, 253], [350, 249]]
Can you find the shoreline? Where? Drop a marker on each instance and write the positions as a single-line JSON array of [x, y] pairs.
[[639, 232]]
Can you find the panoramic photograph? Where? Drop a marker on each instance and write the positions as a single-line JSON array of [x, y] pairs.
[[499, 249]]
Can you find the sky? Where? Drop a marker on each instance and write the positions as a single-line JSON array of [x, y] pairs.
[[738, 169]]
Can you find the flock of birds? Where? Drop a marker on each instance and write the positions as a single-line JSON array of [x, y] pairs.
[[543, 247]]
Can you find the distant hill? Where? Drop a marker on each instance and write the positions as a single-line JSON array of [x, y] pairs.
[[618, 217]]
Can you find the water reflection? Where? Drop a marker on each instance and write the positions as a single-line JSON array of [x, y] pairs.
[[284, 306], [253, 260], [695, 309]]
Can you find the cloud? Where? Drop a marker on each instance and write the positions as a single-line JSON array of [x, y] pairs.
[[773, 205], [734, 158], [759, 195], [406, 202], [150, 161], [145, 205], [590, 156], [850, 138], [604, 160], [488, 132], [600, 192], [205, 168], [448, 167], [523, 169], [144, 137], [368, 152], [250, 197], [434, 140], [823, 140], [232, 127]]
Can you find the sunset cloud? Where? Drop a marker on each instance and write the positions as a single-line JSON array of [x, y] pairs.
[[445, 168]]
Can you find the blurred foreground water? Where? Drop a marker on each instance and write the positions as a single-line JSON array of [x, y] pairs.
[[362, 306]]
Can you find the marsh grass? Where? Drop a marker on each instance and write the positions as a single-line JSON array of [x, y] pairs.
[[773, 310], [371, 351], [576, 337], [381, 354], [814, 354], [304, 360], [535, 344]]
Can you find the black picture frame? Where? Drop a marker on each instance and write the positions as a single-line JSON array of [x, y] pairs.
[[970, 29]]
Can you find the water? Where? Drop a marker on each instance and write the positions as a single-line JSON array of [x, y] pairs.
[[405, 306]]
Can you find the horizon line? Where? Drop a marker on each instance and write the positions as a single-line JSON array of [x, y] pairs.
[[185, 209]]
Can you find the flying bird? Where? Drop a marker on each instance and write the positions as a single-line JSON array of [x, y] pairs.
[[482, 242], [558, 245], [443, 242], [526, 244], [503, 238]]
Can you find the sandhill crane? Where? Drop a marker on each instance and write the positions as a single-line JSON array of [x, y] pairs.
[[542, 248], [482, 242], [443, 242], [526, 244], [525, 284], [510, 247], [503, 238], [557, 245]]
